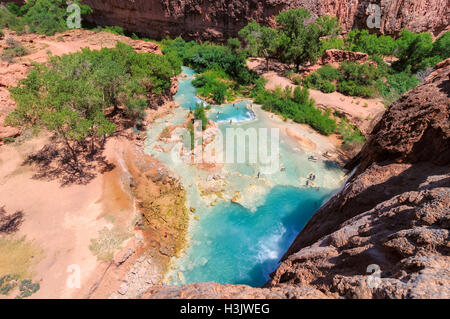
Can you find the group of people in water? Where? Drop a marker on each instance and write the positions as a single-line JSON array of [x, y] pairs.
[[311, 178]]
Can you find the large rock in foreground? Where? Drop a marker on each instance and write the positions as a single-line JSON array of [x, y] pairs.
[[394, 212]]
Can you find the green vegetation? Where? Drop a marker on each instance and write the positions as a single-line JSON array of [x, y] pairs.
[[223, 70], [26, 286], [215, 85], [362, 41], [367, 80], [295, 41], [301, 41], [332, 43], [191, 130], [10, 21], [15, 49], [417, 50], [350, 134], [77, 96], [358, 79], [322, 78], [259, 41], [200, 115], [297, 106], [38, 16], [114, 30]]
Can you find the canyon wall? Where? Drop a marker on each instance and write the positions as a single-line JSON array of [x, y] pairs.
[[392, 216], [219, 20]]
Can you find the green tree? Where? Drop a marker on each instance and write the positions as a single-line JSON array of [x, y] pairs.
[[329, 26], [48, 16], [413, 49], [441, 47], [270, 43], [301, 41], [234, 44], [73, 95], [251, 37]]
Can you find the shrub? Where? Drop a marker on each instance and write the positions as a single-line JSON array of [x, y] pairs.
[[362, 41], [414, 48], [298, 107], [328, 73], [211, 84], [48, 16], [350, 134], [200, 115], [15, 49], [332, 43], [206, 57], [320, 79], [352, 88], [114, 30], [10, 21]]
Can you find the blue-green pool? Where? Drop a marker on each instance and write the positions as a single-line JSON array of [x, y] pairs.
[[235, 245], [242, 243]]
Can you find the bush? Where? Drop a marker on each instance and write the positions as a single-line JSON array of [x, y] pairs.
[[298, 107], [207, 56], [10, 21], [212, 84], [321, 79], [200, 115], [414, 48], [14, 50], [395, 85], [350, 134], [328, 73], [114, 30], [352, 88], [362, 41], [327, 87], [441, 47]]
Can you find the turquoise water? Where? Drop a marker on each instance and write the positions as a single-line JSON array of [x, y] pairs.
[[243, 247], [186, 97], [241, 243]]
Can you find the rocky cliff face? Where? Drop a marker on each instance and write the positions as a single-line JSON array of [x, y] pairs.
[[393, 215], [219, 20]]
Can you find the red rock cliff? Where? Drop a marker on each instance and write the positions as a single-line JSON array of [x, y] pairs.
[[218, 20]]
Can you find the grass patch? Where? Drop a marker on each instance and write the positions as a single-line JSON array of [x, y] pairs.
[[108, 242], [18, 256]]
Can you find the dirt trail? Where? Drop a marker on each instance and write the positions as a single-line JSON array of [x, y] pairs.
[[364, 113]]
